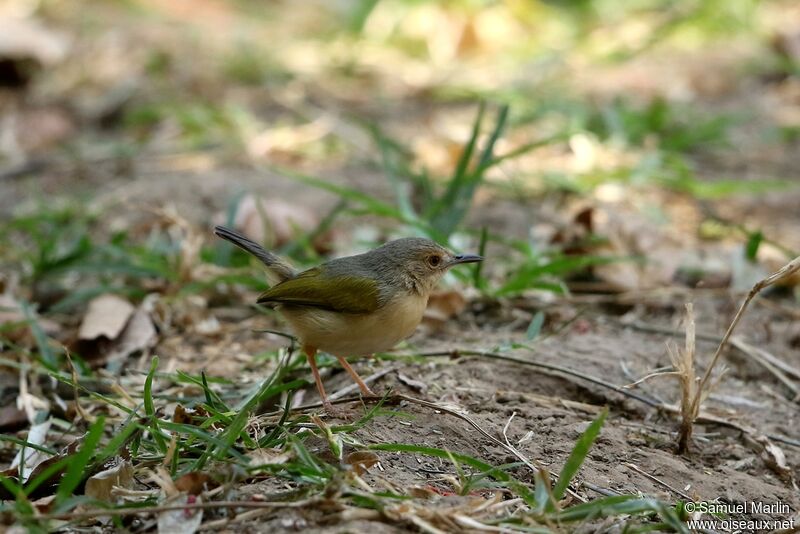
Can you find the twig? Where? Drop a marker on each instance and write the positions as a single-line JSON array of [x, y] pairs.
[[770, 363], [550, 367], [701, 418], [367, 380], [657, 481], [788, 269], [736, 341]]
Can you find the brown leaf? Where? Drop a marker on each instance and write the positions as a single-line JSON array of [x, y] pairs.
[[11, 418], [194, 483], [775, 458], [139, 334], [99, 486], [106, 317], [361, 461], [25, 43], [274, 222]]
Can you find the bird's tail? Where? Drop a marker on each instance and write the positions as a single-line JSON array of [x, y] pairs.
[[279, 268]]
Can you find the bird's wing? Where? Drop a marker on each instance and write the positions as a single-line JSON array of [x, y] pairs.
[[341, 293]]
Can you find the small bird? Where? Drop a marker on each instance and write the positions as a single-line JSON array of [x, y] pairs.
[[356, 305]]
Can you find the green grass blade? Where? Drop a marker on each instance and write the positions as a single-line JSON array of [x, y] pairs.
[[578, 455], [149, 407], [535, 328], [523, 491], [23, 443], [76, 468]]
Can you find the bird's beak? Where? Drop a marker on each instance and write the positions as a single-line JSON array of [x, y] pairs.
[[465, 258]]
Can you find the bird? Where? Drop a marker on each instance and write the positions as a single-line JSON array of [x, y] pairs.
[[354, 305]]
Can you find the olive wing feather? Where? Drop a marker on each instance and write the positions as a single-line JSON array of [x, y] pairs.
[[312, 288]]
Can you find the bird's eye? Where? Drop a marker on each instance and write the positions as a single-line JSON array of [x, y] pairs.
[[434, 260]]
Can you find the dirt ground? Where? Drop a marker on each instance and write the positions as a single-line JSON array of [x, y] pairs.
[[607, 339]]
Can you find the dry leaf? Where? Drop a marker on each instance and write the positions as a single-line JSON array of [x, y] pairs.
[[37, 436], [274, 222], [775, 458], [627, 234], [106, 317], [361, 461], [185, 521], [100, 485], [139, 334], [24, 42], [11, 418], [194, 483]]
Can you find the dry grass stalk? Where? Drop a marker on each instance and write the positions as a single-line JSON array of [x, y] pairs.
[[701, 392], [683, 361]]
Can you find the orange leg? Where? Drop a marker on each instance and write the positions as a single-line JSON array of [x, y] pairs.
[[310, 353], [352, 372]]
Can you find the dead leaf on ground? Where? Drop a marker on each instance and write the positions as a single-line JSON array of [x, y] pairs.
[[274, 222], [26, 46], [194, 483], [775, 459], [11, 418], [139, 334], [100, 486], [113, 329], [37, 435], [361, 461], [626, 235], [106, 317]]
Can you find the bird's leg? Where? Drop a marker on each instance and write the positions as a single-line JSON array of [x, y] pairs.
[[352, 372], [312, 362]]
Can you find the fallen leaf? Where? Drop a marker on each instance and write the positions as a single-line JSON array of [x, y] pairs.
[[26, 43], [194, 483], [361, 461], [775, 458], [138, 335], [274, 222], [106, 317], [11, 418], [184, 521], [100, 486], [33, 457]]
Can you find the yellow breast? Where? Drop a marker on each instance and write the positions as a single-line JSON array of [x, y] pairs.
[[344, 334]]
